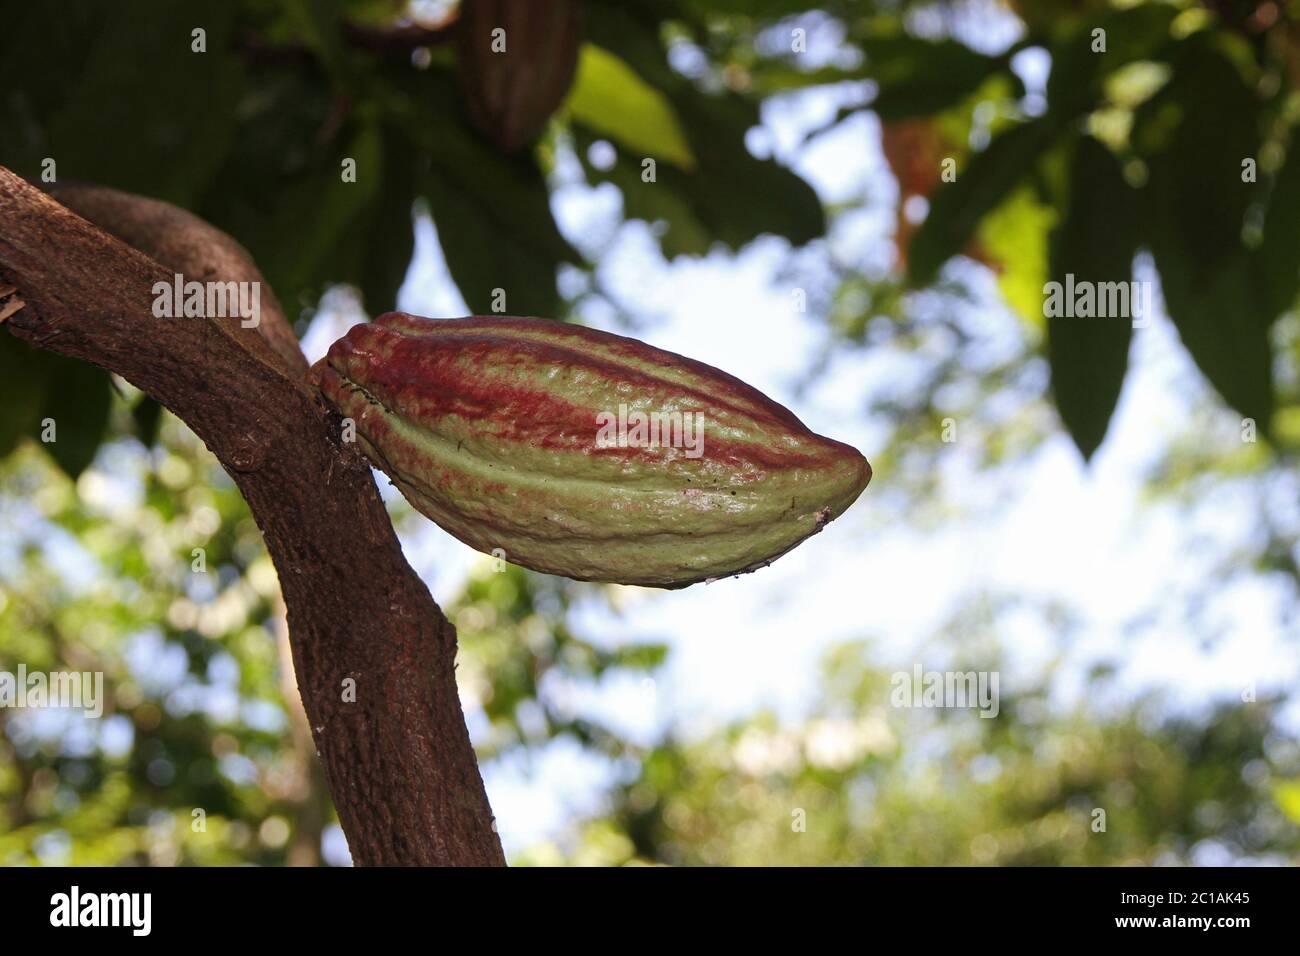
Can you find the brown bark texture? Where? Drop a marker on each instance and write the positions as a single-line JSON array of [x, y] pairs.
[[398, 759]]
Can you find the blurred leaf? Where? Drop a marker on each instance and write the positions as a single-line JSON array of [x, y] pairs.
[[778, 76], [22, 390], [485, 253], [281, 158], [1096, 242], [632, 31], [44, 48], [642, 657], [735, 196], [1194, 211], [77, 399], [1078, 75], [706, 206], [919, 77], [121, 127], [766, 9], [493, 212], [1015, 237], [679, 231], [284, 125], [318, 22], [958, 207], [1279, 250], [389, 226], [147, 415], [609, 98], [313, 234], [1287, 796]]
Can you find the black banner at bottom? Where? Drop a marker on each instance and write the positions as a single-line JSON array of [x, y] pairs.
[[239, 904]]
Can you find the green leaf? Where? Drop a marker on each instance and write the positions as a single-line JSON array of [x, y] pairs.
[[1095, 243], [1286, 794], [318, 22], [77, 400], [147, 415], [642, 657], [1015, 235], [919, 77], [734, 195], [679, 231], [492, 212], [484, 254], [1279, 249], [957, 208], [731, 197], [390, 226], [632, 32], [609, 98], [1199, 129], [123, 126], [1076, 82], [44, 49], [22, 390], [313, 235], [767, 77], [737, 196]]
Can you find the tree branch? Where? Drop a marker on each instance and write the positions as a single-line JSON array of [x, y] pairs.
[[398, 759], [188, 245]]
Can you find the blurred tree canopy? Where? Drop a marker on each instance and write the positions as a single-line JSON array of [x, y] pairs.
[[858, 782], [1165, 141], [1174, 119]]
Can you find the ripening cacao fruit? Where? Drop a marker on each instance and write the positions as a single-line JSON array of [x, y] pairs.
[[516, 60], [582, 453]]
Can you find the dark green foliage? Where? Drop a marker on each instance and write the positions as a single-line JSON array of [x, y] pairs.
[[1095, 243], [252, 135], [978, 190], [918, 77], [1193, 215]]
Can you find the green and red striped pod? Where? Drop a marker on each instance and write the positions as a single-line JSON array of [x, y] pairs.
[[539, 439]]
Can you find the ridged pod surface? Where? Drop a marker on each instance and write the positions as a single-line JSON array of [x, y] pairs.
[[505, 431], [510, 94]]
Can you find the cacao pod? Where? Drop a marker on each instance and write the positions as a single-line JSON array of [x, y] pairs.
[[583, 453], [510, 93]]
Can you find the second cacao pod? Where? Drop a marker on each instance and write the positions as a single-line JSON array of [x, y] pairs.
[[516, 60], [537, 439]]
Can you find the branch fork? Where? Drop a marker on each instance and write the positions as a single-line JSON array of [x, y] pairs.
[[398, 759]]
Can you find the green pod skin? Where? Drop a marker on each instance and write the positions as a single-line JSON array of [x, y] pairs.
[[504, 431]]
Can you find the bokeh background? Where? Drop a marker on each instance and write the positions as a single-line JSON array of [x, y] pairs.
[[1109, 521]]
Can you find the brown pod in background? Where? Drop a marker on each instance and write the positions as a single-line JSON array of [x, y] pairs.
[[510, 93]]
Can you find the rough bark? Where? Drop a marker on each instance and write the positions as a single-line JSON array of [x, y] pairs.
[[399, 762]]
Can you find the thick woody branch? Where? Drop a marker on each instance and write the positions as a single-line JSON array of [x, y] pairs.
[[188, 245], [398, 759]]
